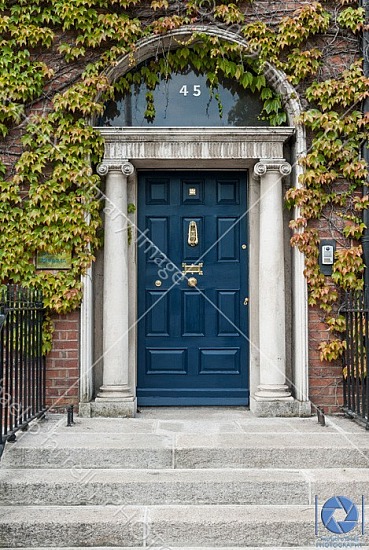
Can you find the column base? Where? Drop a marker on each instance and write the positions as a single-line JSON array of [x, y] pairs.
[[115, 408], [114, 392], [273, 392], [280, 408]]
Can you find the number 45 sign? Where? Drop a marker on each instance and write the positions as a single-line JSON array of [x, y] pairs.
[[196, 90]]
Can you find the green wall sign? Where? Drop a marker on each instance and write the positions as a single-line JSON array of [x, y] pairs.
[[61, 260]]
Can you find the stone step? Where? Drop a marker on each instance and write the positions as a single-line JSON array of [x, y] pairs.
[[187, 451], [158, 526], [52, 487], [221, 482], [191, 420], [139, 487]]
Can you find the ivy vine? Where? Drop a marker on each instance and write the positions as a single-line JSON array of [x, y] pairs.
[[53, 65]]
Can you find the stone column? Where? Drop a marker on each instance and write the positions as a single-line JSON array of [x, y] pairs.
[[116, 396], [272, 323]]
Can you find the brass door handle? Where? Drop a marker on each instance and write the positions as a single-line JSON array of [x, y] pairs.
[[192, 281]]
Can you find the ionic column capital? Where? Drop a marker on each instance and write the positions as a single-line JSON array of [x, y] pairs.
[[107, 166], [272, 165]]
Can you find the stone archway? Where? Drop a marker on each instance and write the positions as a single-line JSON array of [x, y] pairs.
[[259, 150]]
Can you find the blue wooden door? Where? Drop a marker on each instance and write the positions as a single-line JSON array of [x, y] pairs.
[[192, 340]]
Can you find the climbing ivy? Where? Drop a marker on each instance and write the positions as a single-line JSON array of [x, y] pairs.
[[53, 65]]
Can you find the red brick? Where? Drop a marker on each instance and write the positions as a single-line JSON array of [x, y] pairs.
[[66, 325], [62, 363]]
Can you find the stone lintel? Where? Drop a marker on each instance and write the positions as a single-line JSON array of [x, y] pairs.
[[193, 143]]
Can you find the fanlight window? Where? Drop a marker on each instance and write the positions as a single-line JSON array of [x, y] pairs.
[[186, 99]]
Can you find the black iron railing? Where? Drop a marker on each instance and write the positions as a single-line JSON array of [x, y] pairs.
[[22, 365], [356, 357]]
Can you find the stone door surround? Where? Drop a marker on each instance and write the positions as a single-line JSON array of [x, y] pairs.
[[258, 150]]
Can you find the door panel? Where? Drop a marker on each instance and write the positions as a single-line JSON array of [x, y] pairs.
[[192, 341], [158, 229], [166, 361], [228, 313], [228, 240], [193, 313], [157, 317]]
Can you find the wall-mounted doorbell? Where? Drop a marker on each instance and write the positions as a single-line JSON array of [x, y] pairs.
[[327, 249], [328, 254]]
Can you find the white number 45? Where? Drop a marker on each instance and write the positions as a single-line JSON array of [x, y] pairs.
[[196, 90]]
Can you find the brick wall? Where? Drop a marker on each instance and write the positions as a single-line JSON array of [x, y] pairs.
[[62, 364], [325, 378]]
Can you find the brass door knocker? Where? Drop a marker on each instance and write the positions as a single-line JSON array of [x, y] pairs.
[[193, 238]]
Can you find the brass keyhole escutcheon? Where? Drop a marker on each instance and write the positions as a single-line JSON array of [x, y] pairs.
[[192, 281]]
